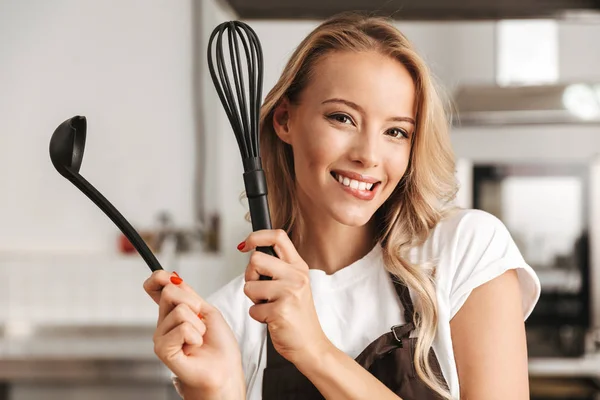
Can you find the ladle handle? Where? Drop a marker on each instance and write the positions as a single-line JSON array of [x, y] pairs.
[[112, 213]]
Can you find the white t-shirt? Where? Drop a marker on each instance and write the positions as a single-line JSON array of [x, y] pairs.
[[358, 303]]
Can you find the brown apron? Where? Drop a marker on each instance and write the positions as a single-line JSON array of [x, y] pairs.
[[389, 358]]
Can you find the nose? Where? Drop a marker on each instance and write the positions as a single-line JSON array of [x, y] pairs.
[[365, 151]]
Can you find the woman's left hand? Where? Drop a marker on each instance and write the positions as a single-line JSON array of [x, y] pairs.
[[289, 311]]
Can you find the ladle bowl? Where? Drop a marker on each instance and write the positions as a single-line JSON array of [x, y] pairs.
[[67, 145]]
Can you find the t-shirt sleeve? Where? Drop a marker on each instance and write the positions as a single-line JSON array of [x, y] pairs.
[[483, 250]]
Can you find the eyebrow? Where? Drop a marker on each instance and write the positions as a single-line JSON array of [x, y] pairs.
[[361, 110]]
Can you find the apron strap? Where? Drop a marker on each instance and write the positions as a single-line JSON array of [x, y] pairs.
[[404, 296]]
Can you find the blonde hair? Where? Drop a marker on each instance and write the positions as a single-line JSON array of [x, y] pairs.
[[419, 201]]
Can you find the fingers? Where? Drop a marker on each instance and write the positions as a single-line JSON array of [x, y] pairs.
[[263, 312], [171, 344], [257, 291], [263, 264], [180, 314], [172, 295], [278, 238], [155, 283]]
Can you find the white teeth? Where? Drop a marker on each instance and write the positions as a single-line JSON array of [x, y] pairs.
[[353, 183]]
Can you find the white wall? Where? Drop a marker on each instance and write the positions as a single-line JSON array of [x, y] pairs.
[[579, 51], [128, 69]]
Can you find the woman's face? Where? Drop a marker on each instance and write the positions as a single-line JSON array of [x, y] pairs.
[[350, 132]]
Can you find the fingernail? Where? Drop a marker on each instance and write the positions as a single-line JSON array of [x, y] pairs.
[[176, 274], [176, 280], [200, 316], [241, 245]]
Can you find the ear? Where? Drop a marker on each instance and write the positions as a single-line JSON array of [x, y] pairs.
[[281, 120]]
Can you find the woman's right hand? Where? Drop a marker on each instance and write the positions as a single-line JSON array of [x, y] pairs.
[[194, 341]]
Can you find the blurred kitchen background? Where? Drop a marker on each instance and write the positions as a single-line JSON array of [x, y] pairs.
[[75, 322]]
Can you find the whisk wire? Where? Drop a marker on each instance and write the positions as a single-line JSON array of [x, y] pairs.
[[219, 83], [238, 77], [223, 87], [252, 110], [243, 113], [234, 109], [254, 106], [258, 79], [250, 56], [258, 85]]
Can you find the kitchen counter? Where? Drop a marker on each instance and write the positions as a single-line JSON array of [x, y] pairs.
[[82, 353]]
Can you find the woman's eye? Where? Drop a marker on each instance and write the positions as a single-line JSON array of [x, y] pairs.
[[397, 133], [341, 118]]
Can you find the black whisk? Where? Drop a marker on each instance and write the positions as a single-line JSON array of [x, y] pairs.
[[242, 107]]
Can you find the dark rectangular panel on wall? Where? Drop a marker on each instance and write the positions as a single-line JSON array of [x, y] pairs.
[[411, 9]]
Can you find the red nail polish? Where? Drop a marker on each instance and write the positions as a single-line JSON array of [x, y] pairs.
[[241, 245], [200, 316], [176, 274], [176, 280]]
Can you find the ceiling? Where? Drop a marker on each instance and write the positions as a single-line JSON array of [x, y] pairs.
[[411, 9]]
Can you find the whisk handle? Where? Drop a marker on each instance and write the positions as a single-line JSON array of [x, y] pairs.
[[256, 191]]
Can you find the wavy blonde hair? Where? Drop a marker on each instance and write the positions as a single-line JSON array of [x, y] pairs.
[[419, 201]]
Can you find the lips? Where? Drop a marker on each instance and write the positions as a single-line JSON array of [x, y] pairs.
[[362, 187], [354, 180]]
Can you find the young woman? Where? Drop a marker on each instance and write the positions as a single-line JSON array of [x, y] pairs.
[[381, 289]]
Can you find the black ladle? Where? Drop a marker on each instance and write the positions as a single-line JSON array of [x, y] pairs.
[[66, 152]]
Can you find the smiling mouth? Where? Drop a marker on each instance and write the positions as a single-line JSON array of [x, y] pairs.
[[354, 183]]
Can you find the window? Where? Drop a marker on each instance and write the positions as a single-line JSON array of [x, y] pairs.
[[527, 52]]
